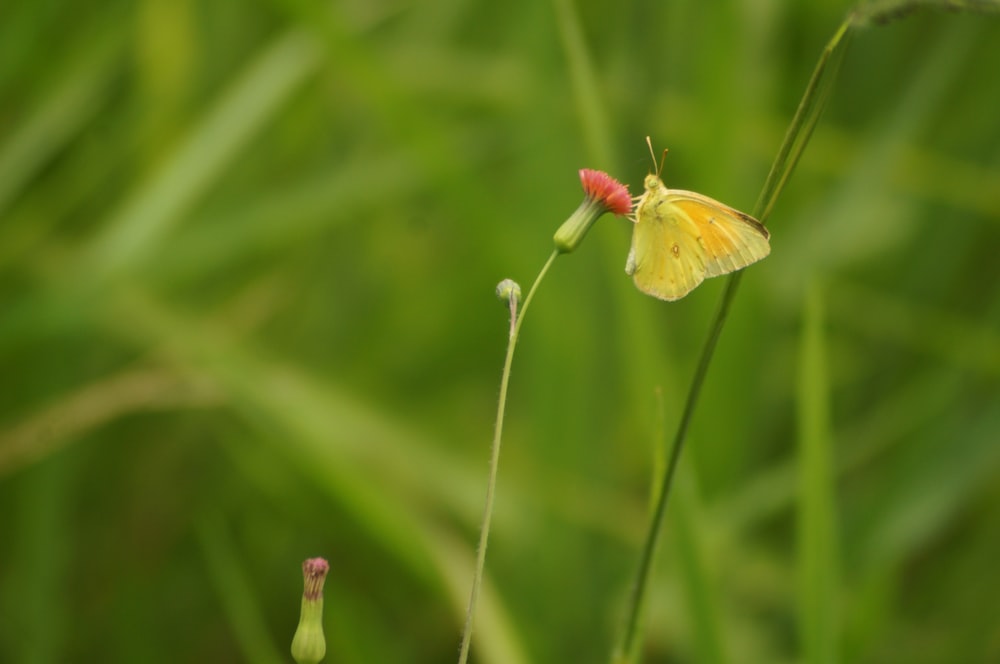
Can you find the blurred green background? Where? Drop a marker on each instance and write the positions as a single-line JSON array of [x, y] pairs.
[[247, 261]]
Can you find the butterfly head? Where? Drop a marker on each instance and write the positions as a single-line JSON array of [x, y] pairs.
[[653, 182]]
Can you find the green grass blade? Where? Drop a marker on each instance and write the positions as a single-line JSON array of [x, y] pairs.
[[34, 611], [588, 100], [74, 100], [243, 109], [804, 121], [696, 573], [235, 592], [817, 538]]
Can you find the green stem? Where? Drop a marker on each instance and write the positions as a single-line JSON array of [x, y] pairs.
[[484, 532], [624, 652], [806, 116]]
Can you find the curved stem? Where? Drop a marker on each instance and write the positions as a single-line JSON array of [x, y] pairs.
[[806, 116], [484, 532], [627, 645]]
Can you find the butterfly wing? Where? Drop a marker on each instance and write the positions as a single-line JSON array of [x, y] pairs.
[[730, 239], [666, 260]]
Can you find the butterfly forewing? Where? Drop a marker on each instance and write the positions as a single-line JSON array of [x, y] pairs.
[[730, 239]]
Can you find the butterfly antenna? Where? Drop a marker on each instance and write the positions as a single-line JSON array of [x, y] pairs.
[[659, 168], [652, 154]]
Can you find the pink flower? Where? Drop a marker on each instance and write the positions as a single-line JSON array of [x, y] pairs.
[[604, 189], [314, 571], [603, 194]]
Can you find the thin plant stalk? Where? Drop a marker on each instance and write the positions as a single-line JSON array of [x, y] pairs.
[[516, 320], [810, 109]]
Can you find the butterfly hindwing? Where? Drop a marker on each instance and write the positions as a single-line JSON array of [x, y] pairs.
[[666, 260]]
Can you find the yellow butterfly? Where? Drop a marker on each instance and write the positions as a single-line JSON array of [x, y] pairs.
[[680, 238]]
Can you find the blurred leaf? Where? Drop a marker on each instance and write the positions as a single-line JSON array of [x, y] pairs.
[[236, 595], [226, 128], [818, 560]]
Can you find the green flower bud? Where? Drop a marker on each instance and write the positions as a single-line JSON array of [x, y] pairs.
[[508, 290], [309, 644], [603, 194]]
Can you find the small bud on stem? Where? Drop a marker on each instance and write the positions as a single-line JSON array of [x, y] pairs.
[[309, 644]]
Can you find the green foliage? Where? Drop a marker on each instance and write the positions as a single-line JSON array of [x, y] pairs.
[[247, 260]]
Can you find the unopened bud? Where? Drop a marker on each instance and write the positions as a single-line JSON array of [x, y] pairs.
[[508, 290], [309, 644]]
